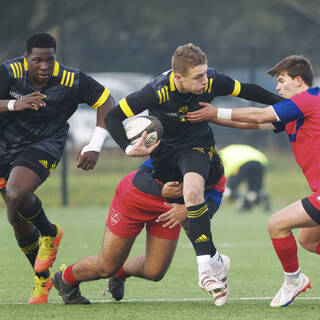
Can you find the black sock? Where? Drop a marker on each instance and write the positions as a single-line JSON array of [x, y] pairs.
[[198, 229], [38, 218], [30, 247]]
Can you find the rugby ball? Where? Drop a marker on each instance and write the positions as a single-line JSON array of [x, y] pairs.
[[136, 126]]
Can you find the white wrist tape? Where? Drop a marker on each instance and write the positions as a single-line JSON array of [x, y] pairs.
[[224, 114], [10, 105], [128, 149], [97, 140]]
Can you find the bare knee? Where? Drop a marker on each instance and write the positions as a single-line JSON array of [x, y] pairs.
[[155, 275], [104, 271], [277, 228], [193, 196], [13, 198]]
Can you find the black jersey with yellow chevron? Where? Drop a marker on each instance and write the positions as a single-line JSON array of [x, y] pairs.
[[162, 99], [66, 88]]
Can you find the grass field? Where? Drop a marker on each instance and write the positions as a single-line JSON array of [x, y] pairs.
[[254, 278]]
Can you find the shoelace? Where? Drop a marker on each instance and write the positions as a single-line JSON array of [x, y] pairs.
[[45, 247], [39, 287]]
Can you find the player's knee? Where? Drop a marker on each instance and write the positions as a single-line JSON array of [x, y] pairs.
[[156, 275], [14, 197], [273, 227], [105, 271], [193, 196]]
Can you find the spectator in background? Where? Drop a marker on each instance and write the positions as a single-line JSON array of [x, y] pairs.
[[245, 164]]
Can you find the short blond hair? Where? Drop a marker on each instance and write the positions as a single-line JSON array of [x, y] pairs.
[[187, 56]]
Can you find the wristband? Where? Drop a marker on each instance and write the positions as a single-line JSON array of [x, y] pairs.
[[96, 142], [128, 149], [224, 114], [10, 105]]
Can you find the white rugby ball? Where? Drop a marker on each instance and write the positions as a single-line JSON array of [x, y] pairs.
[[136, 126]]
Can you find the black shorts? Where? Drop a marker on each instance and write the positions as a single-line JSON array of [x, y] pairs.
[[311, 210], [35, 159], [169, 166]]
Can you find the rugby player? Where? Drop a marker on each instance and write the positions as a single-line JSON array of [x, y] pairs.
[[139, 201], [185, 147], [298, 115], [37, 96]]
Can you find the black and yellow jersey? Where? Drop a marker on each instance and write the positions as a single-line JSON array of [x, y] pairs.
[[162, 99], [66, 88]]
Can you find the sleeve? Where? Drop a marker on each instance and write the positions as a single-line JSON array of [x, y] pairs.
[[144, 181], [138, 101], [133, 104], [91, 91], [4, 82], [224, 85], [287, 110]]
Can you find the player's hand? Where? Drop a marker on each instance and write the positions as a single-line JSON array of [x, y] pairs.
[[206, 113], [87, 160], [172, 189], [32, 101], [177, 214], [139, 149]]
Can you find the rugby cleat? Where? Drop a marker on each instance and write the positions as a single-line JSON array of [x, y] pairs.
[[209, 283], [290, 290], [221, 298], [116, 288], [41, 289], [70, 294], [47, 251]]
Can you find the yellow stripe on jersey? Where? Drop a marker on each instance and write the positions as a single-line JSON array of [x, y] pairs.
[[163, 94], [172, 86], [210, 84], [125, 108], [103, 98], [63, 77], [20, 67], [56, 69], [71, 80], [13, 69], [68, 78], [167, 93], [237, 88], [25, 64], [160, 96]]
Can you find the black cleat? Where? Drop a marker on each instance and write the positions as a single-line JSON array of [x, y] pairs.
[[70, 294], [116, 288]]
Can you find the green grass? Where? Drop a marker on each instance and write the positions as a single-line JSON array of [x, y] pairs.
[[255, 273]]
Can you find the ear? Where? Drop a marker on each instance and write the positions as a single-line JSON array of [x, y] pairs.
[[299, 81], [177, 76]]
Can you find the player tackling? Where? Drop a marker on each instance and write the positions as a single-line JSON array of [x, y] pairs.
[[299, 116]]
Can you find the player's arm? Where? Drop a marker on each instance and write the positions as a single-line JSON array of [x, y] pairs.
[[99, 98], [132, 105], [30, 101]]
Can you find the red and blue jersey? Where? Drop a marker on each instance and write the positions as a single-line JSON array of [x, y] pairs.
[[300, 118]]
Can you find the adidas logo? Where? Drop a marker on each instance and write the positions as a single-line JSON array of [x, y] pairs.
[[202, 238], [44, 163]]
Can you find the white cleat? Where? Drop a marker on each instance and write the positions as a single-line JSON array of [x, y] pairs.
[[221, 298], [290, 290], [210, 283]]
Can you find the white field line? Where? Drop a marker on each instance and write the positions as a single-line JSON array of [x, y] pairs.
[[169, 300]]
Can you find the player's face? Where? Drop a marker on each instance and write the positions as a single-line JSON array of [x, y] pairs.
[[195, 81], [40, 65], [286, 86]]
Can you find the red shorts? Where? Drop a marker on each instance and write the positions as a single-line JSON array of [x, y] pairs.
[[132, 209]]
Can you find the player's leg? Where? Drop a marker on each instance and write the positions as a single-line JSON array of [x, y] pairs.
[[113, 253], [160, 248], [195, 167], [31, 168], [17, 197], [284, 243], [309, 238]]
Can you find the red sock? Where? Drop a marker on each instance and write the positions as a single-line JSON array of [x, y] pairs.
[[68, 276], [287, 251], [318, 248], [121, 274]]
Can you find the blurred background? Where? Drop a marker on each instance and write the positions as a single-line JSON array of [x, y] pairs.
[[125, 43]]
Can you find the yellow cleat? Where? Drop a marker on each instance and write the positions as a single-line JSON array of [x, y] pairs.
[[41, 289], [47, 251]]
